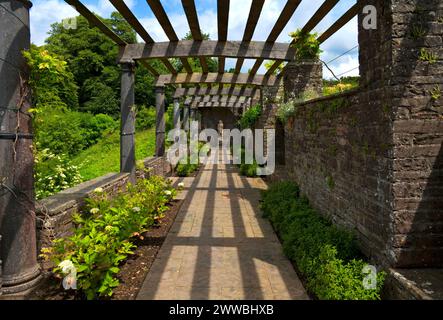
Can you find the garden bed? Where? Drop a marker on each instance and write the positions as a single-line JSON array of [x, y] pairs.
[[132, 272]]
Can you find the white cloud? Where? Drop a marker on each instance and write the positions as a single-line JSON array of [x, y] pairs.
[[43, 14]]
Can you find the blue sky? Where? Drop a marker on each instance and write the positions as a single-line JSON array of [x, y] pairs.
[[46, 12]]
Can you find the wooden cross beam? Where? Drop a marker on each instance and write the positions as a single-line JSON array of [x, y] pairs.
[[96, 22], [207, 48], [285, 16], [223, 20], [226, 78], [133, 21], [232, 91], [224, 99], [254, 15], [191, 15], [163, 19], [218, 105]]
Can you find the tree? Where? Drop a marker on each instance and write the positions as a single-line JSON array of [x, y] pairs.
[[92, 56]]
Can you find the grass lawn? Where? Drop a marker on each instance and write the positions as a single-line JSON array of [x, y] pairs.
[[104, 157]]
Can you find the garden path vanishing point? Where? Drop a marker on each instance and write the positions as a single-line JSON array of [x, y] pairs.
[[220, 247]]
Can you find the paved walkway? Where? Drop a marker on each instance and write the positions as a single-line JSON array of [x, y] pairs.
[[220, 247]]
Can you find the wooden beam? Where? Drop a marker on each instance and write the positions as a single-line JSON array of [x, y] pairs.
[[163, 19], [285, 16], [207, 48], [225, 99], [223, 21], [150, 68], [319, 15], [217, 105], [232, 91], [133, 21], [251, 24], [191, 15], [324, 9], [342, 21], [226, 78], [95, 21]]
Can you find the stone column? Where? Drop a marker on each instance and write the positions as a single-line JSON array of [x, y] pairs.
[[401, 67], [160, 123], [18, 249], [186, 118], [127, 127], [176, 114], [303, 77]]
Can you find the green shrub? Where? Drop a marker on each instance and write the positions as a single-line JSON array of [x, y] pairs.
[[250, 117], [54, 173], [249, 170], [306, 45], [105, 233], [146, 118], [186, 169], [326, 255]]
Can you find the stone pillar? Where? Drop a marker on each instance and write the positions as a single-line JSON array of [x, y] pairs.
[[127, 127], [18, 250], [303, 77], [176, 114], [160, 123], [186, 118], [401, 66]]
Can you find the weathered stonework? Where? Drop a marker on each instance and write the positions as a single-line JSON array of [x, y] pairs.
[[372, 159]]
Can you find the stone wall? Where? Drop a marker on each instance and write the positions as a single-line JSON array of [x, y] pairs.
[[54, 214], [211, 116], [372, 160]]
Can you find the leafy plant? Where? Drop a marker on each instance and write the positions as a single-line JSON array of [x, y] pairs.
[[250, 117], [435, 93], [306, 45], [325, 254], [105, 232], [285, 111], [54, 173], [428, 56], [186, 169]]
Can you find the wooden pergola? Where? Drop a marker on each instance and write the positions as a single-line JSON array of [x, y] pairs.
[[233, 85]]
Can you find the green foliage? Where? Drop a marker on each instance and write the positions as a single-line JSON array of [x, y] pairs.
[[91, 57], [331, 87], [428, 56], [250, 117], [105, 232], [68, 132], [285, 111], [52, 83], [326, 255], [146, 118], [104, 157], [435, 93], [54, 173], [249, 170], [306, 45], [270, 63], [186, 169]]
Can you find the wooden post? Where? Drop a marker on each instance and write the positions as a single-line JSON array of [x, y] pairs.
[[160, 123], [186, 118], [127, 129], [18, 248], [176, 114]]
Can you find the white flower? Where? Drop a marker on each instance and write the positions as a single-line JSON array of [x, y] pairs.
[[67, 267], [70, 282], [168, 192], [136, 209], [98, 190], [181, 185], [94, 210]]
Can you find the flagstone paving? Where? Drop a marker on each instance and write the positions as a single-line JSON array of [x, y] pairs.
[[220, 247]]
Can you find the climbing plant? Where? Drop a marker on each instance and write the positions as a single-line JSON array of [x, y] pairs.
[[306, 45]]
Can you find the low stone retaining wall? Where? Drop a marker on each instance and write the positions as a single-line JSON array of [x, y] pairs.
[[54, 214]]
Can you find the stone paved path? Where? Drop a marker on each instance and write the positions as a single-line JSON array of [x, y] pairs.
[[220, 247]]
